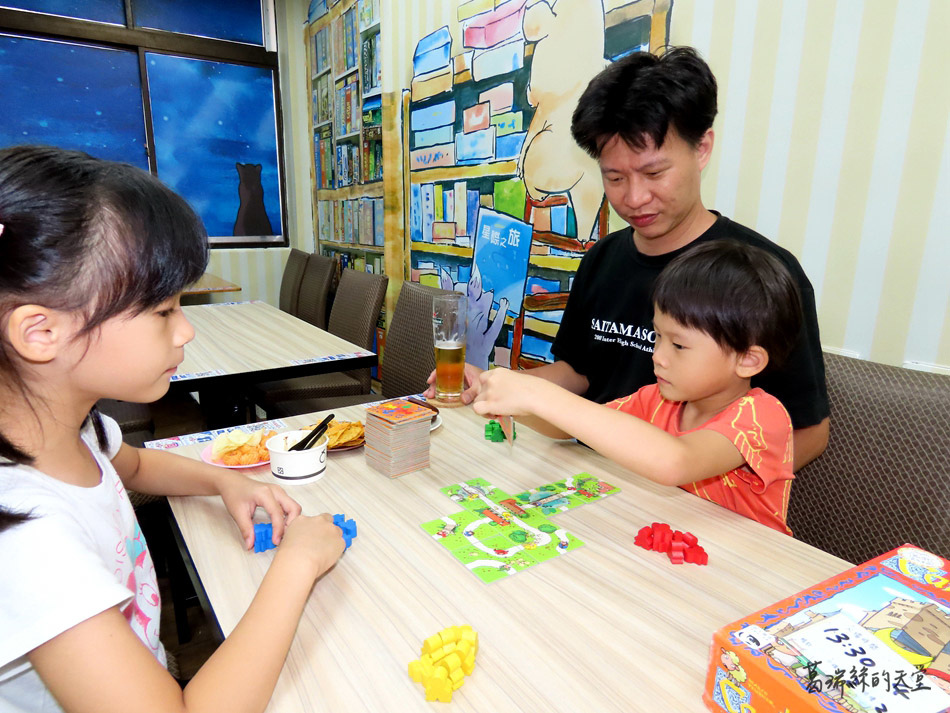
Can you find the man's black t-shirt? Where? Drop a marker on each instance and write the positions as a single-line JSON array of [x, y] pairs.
[[606, 332]]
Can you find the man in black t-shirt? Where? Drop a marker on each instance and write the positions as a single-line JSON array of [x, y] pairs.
[[647, 120]]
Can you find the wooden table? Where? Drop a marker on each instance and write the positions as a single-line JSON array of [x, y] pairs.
[[606, 627], [209, 283], [240, 343]]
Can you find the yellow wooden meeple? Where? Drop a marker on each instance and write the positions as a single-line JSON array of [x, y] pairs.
[[447, 658]]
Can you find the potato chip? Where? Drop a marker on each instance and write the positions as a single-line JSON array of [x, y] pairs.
[[341, 434], [236, 447]]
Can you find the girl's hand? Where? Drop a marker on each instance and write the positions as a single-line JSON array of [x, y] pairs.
[[242, 497], [316, 540], [505, 392]]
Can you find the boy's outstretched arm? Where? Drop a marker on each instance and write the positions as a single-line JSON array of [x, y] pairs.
[[558, 372], [627, 440]]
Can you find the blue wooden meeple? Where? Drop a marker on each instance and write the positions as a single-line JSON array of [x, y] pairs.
[[263, 537], [348, 527], [264, 533]]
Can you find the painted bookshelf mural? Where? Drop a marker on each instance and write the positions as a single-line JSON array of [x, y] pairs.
[[345, 82], [502, 204]]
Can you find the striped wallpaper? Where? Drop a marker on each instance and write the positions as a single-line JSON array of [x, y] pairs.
[[833, 139], [257, 271]]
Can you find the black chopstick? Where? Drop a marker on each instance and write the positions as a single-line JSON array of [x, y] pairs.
[[314, 435]]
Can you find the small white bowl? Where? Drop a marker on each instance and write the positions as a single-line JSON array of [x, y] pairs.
[[297, 467]]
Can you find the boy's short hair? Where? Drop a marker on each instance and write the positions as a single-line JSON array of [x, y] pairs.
[[738, 294], [641, 95]]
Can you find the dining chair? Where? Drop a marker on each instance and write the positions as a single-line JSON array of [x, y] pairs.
[[290, 282], [353, 317], [135, 420], [884, 479], [315, 290], [408, 359]]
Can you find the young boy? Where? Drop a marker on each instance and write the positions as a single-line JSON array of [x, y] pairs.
[[723, 312]]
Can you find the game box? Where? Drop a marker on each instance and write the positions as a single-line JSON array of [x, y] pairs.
[[873, 639]]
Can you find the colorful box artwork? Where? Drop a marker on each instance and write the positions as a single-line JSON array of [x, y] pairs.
[[498, 535], [874, 638]]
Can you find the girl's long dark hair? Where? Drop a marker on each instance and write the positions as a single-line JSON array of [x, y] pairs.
[[91, 237]]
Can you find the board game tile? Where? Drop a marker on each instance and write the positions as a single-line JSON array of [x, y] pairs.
[[452, 538], [472, 502], [494, 567]]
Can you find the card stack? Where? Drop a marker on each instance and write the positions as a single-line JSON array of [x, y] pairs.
[[397, 437]]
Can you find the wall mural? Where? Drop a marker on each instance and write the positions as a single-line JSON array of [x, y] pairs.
[[502, 202]]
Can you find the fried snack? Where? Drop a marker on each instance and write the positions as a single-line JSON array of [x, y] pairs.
[[237, 447], [343, 434]]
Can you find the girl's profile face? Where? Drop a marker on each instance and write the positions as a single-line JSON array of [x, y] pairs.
[[132, 358]]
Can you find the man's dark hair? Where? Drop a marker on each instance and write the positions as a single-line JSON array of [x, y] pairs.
[[738, 294], [641, 96]]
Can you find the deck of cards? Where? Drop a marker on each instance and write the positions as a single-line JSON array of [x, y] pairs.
[[397, 437]]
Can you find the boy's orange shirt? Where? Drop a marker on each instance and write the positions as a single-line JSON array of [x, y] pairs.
[[759, 426]]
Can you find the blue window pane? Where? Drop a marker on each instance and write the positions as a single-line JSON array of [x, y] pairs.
[[236, 20], [216, 141], [76, 97], [111, 11]]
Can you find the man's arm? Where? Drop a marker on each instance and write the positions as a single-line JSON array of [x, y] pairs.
[[809, 443], [564, 375]]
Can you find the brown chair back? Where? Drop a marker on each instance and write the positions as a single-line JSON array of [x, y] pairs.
[[130, 416], [315, 289], [290, 282], [359, 298], [409, 356], [884, 479]]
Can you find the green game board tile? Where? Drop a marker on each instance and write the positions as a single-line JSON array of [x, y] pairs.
[[462, 499], [496, 535], [485, 529], [551, 550], [542, 510], [462, 520], [600, 489], [502, 542], [505, 567], [533, 517]]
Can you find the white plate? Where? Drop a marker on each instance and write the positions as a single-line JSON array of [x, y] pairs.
[[436, 422]]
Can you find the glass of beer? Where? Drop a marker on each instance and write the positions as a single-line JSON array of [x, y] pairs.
[[449, 322]]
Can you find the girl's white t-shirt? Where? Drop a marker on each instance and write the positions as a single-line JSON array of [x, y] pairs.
[[81, 553]]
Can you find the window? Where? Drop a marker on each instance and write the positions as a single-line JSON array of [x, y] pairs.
[[214, 126], [237, 20], [112, 11], [197, 86], [78, 97]]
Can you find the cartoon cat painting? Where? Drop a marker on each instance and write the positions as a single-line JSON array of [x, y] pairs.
[[251, 216], [558, 78], [483, 329]]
